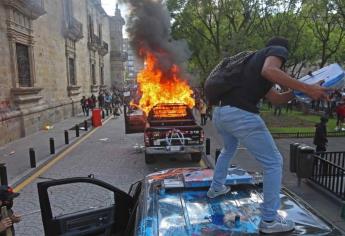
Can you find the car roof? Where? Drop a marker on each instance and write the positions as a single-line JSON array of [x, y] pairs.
[[182, 208]]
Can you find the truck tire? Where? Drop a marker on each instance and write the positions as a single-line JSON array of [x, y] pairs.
[[149, 159], [196, 157]]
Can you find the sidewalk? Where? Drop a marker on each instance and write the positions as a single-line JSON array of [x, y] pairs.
[[324, 204], [16, 154]]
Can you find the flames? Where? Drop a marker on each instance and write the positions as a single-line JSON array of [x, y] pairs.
[[170, 111], [158, 86]]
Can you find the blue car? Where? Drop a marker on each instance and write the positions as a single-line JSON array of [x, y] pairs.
[[174, 202]]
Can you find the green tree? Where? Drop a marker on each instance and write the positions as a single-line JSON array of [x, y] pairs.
[[328, 28], [218, 28]]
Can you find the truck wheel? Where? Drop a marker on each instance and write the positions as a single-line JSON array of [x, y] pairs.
[[149, 159], [196, 157]]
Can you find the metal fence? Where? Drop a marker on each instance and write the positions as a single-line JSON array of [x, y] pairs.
[[329, 172], [306, 135]]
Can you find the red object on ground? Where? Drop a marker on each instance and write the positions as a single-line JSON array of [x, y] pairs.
[[96, 117]]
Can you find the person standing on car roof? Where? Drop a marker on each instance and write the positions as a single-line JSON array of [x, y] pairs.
[[237, 120]]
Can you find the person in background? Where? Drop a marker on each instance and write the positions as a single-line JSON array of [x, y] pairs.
[[320, 137], [278, 107], [203, 110], [209, 112], [117, 106], [277, 110], [94, 101], [83, 105], [6, 200], [90, 103], [107, 102], [289, 106], [101, 100], [340, 111]]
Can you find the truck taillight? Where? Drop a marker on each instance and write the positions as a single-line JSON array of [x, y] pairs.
[[202, 136], [147, 136]]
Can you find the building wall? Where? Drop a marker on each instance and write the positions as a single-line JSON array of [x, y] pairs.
[[50, 65], [106, 38], [83, 73], [116, 54], [5, 72], [49, 53]]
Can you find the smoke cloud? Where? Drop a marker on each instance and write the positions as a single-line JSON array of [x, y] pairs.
[[148, 27]]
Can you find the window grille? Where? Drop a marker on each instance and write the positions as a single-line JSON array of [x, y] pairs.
[[102, 75], [93, 74], [72, 79], [23, 65]]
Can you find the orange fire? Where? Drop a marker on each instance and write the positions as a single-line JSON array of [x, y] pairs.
[[169, 111], [155, 88]]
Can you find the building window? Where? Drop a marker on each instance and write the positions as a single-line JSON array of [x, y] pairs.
[[23, 65], [93, 74], [102, 75], [100, 32], [72, 79], [90, 26]]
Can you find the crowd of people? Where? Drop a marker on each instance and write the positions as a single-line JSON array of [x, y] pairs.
[[108, 101]]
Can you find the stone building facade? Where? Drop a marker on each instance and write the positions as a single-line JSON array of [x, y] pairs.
[[117, 55], [52, 52]]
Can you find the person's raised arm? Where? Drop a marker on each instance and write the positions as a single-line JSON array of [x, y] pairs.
[[272, 72]]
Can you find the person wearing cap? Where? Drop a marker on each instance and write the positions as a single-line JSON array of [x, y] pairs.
[[6, 199]]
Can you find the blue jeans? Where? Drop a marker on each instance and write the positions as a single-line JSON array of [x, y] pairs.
[[236, 125]]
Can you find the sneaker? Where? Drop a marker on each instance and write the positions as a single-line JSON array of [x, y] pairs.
[[211, 193], [279, 225]]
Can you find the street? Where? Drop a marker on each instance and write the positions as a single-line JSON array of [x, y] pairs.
[[110, 156]]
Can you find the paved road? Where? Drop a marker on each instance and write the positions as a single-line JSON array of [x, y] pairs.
[[109, 155]]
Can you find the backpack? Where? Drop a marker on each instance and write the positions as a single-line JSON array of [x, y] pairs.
[[225, 76]]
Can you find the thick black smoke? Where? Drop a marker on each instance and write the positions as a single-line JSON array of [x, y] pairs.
[[148, 27]]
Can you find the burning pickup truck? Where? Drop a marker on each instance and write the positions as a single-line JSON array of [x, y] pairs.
[[168, 129]]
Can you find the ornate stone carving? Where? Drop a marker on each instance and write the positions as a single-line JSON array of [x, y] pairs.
[[103, 87], [26, 96], [103, 50], [94, 88], [73, 29], [30, 8], [73, 90], [94, 42]]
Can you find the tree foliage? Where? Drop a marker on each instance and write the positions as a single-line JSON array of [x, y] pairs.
[[216, 28]]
